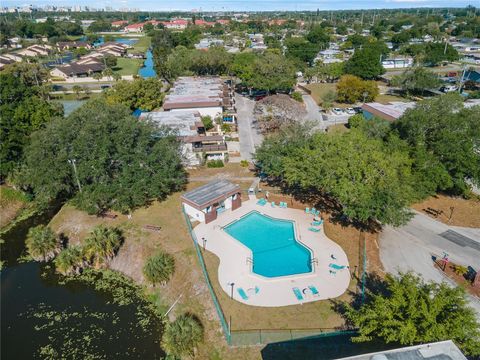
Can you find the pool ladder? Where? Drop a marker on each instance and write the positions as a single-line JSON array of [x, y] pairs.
[[250, 261], [314, 261]]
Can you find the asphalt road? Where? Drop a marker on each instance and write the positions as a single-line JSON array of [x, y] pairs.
[[410, 248], [247, 132]]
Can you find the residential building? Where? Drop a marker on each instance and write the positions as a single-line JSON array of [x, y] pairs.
[[443, 350], [397, 63], [208, 95], [35, 50], [389, 112], [118, 24], [80, 68], [69, 45], [134, 28], [197, 145], [205, 44], [206, 202]]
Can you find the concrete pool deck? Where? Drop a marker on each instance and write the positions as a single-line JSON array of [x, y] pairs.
[[273, 292]]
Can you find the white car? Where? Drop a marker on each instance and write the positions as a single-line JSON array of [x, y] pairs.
[[350, 111], [337, 111]]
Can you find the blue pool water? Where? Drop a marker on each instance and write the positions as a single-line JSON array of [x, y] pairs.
[[273, 245]]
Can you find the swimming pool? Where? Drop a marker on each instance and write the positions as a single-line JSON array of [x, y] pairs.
[[275, 250]]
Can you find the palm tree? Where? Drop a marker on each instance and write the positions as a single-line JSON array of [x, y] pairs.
[[77, 89], [159, 268], [42, 243], [182, 336], [70, 260], [102, 244]]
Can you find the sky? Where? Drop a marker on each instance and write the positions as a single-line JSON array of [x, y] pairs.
[[245, 5]]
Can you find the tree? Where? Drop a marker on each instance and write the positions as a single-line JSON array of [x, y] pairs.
[[70, 260], [376, 187], [416, 80], [97, 76], [242, 65], [77, 89], [271, 72], [443, 136], [110, 61], [351, 89], [207, 122], [435, 53], [42, 243], [120, 162], [182, 336], [318, 36], [301, 49], [102, 244], [23, 110], [414, 312], [145, 94], [365, 63], [159, 268]]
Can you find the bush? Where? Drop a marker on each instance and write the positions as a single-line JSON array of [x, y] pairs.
[[207, 122], [215, 164], [297, 96], [42, 243], [244, 163], [182, 336], [226, 128], [159, 268], [355, 121], [351, 89]]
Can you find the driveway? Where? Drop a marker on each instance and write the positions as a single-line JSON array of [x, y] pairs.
[[411, 246], [247, 132]]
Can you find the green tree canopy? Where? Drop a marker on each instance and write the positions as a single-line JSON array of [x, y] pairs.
[[365, 63], [301, 49], [118, 161], [145, 94], [159, 268], [351, 89], [70, 260], [182, 336], [318, 36], [41, 243], [102, 244], [414, 312], [23, 109], [271, 72], [416, 80], [445, 136]]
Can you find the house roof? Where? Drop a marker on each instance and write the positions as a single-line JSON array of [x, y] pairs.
[[184, 121], [210, 193], [390, 112], [78, 69], [443, 350]]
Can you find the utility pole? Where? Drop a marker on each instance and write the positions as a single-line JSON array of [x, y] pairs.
[[74, 165]]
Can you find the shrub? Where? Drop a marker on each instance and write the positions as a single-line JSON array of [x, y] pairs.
[[226, 128], [42, 243], [159, 268], [70, 260], [182, 336], [207, 122], [215, 164], [244, 163], [297, 96], [351, 89]]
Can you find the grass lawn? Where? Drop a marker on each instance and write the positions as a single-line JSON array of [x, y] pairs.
[[466, 212], [320, 89], [11, 203], [384, 98], [126, 66], [141, 45]]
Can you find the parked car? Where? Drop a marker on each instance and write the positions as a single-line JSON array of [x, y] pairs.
[[449, 88], [350, 111], [337, 111], [357, 109]]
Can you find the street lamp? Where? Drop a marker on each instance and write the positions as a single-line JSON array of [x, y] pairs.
[[232, 284]]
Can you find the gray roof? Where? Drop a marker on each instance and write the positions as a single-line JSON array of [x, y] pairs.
[[210, 193], [443, 350], [184, 121]]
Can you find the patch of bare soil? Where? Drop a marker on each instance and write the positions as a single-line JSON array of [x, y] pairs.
[[9, 211], [274, 111], [457, 273], [451, 210]]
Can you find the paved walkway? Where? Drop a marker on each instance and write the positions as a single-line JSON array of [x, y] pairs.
[[247, 132], [235, 268], [410, 247]]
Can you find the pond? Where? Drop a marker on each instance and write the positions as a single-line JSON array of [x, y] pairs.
[[122, 40], [45, 317], [70, 105], [147, 71]]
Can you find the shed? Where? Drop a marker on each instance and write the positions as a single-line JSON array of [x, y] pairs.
[[206, 202]]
